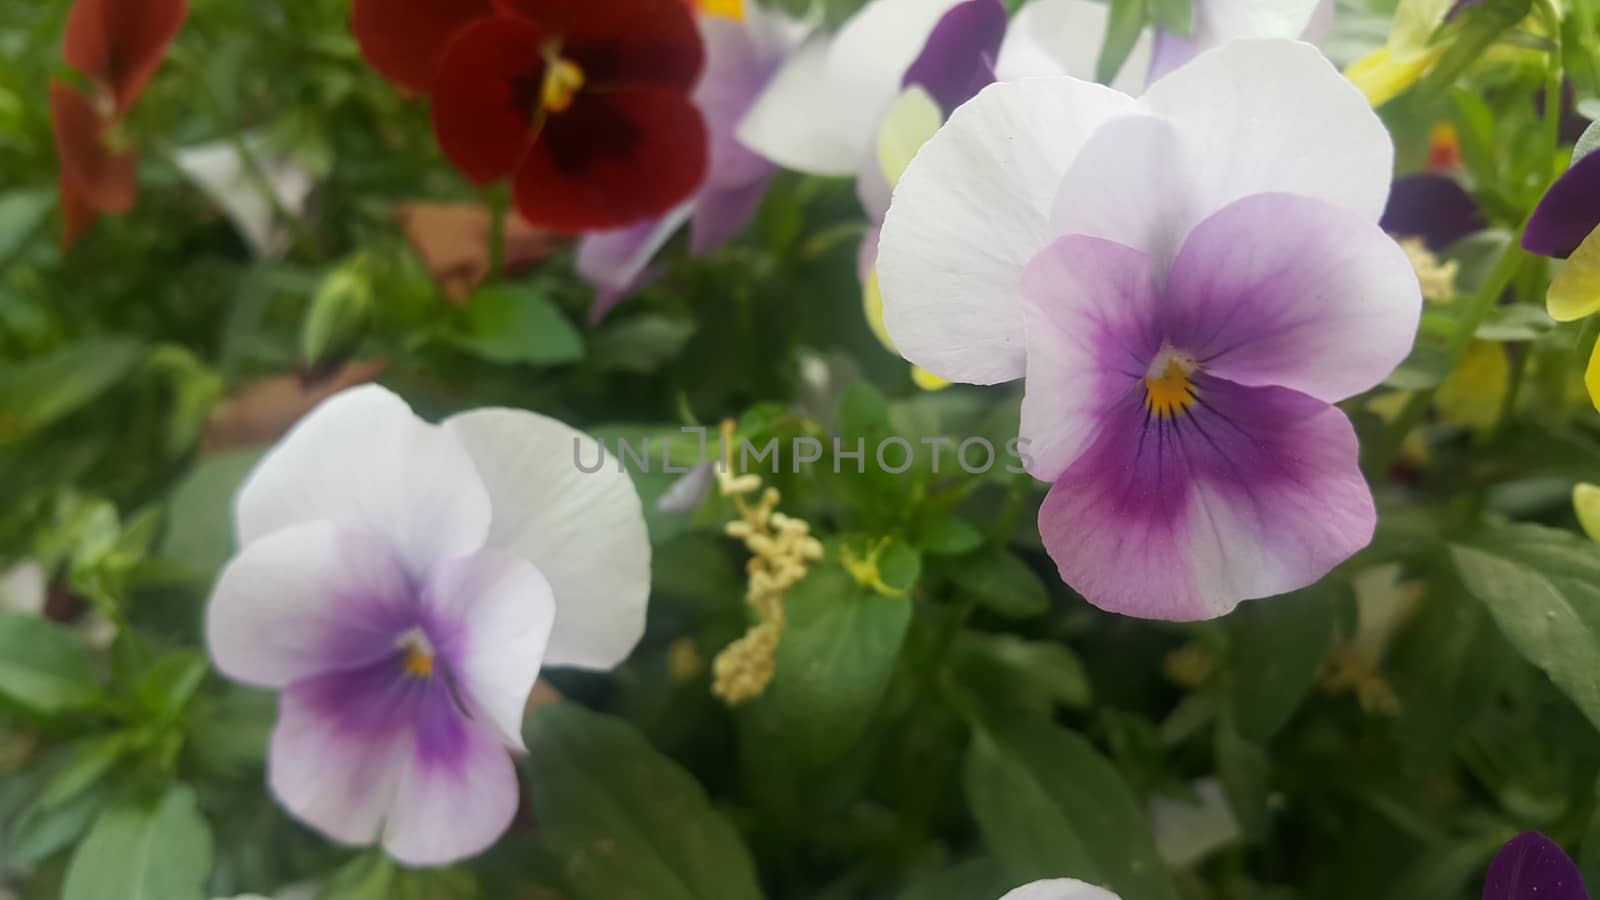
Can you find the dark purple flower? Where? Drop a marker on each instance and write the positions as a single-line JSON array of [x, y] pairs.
[[1532, 867], [958, 60], [1568, 212], [1433, 207]]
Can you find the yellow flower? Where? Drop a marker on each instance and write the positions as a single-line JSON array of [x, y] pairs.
[[781, 549], [1382, 76], [1471, 397], [1575, 292], [1586, 500], [1592, 378], [728, 9]]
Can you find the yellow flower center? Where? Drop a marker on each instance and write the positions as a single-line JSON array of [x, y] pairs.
[[728, 9], [1167, 389], [418, 653], [563, 79]]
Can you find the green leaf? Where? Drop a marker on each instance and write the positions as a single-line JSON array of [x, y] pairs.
[[43, 668], [1243, 766], [642, 344], [91, 759], [949, 536], [166, 687], [1043, 673], [200, 523], [1516, 323], [516, 324], [1175, 16], [1049, 806], [38, 392], [21, 214], [1276, 648], [976, 878], [40, 831], [619, 821], [841, 641], [1002, 582], [1587, 143], [1127, 23], [1542, 587], [139, 850]]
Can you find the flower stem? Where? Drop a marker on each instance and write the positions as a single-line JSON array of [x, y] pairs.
[[499, 208], [1387, 447]]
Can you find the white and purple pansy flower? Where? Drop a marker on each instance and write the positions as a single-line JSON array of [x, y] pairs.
[[743, 53], [403, 584], [1187, 282]]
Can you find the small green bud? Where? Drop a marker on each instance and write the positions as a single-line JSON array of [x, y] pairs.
[[337, 319]]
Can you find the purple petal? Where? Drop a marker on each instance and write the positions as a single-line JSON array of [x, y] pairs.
[[1091, 330], [1459, 7], [720, 214], [741, 59], [373, 750], [617, 263], [958, 60], [1433, 207], [306, 600], [493, 613], [1250, 492], [1278, 289], [1533, 867], [1568, 213]]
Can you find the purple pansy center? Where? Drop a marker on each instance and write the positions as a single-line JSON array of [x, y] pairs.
[[397, 674]]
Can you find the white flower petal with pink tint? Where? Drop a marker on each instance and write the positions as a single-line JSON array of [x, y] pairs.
[[500, 610], [970, 212], [364, 461], [302, 601], [1064, 37], [1060, 889], [820, 113], [1289, 291], [584, 531], [1263, 116], [1216, 22]]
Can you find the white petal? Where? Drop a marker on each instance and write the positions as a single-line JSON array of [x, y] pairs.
[[1064, 37], [970, 212], [362, 460], [1127, 186], [585, 531], [1187, 832], [1060, 889], [219, 171], [502, 608], [820, 113], [1260, 116], [302, 601], [22, 589]]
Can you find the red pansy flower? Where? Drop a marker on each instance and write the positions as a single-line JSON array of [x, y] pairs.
[[404, 39], [117, 45], [584, 104]]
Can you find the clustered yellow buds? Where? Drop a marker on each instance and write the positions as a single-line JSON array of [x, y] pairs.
[[1438, 279], [781, 548]]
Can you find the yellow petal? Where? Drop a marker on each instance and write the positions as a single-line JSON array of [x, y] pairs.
[[872, 306], [927, 380], [1586, 500], [1575, 292], [1472, 395], [728, 9], [1381, 76], [1593, 378], [912, 120], [1415, 21]]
